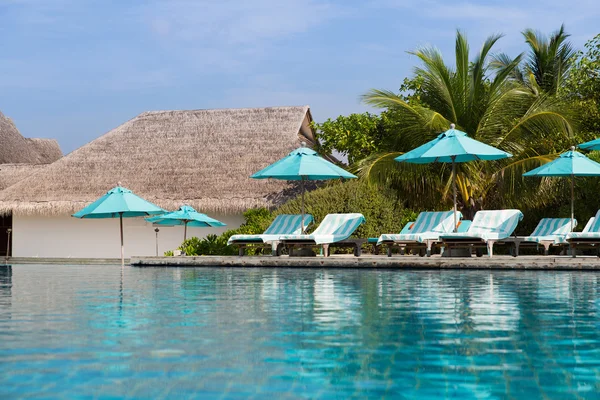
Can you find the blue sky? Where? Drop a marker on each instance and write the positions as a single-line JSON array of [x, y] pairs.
[[75, 69]]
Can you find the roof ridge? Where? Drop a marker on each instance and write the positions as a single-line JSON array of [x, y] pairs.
[[154, 112]]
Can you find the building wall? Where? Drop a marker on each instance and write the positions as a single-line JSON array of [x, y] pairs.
[[65, 236]]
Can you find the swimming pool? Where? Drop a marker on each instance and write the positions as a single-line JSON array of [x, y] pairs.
[[99, 332]]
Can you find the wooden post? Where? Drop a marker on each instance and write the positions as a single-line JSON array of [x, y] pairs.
[[572, 201], [8, 231], [156, 230], [454, 190], [302, 180], [122, 246]]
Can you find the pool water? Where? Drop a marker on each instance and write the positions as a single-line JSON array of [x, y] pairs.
[[227, 333]]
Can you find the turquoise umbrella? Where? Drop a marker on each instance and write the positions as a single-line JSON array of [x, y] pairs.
[[452, 146], [185, 216], [303, 164], [571, 163], [119, 202], [591, 145]]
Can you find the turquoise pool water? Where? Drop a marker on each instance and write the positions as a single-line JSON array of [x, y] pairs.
[[98, 332]]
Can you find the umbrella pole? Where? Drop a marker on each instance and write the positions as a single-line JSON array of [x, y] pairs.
[[302, 180], [122, 247], [454, 190], [184, 231], [572, 201]]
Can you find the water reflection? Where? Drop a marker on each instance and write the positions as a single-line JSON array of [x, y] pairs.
[[297, 333], [5, 286]]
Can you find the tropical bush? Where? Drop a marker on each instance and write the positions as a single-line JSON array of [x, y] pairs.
[[481, 96], [256, 221], [382, 210]]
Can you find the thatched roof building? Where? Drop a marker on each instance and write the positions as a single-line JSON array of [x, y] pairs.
[[201, 157], [13, 173], [15, 148]]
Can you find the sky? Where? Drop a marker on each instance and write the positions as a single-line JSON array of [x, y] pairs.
[[73, 70]]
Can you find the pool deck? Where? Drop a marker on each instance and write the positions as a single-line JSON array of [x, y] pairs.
[[372, 261]]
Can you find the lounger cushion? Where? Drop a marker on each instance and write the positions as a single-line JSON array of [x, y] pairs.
[[591, 230], [283, 224], [490, 225], [583, 235], [428, 226], [333, 228], [551, 230]]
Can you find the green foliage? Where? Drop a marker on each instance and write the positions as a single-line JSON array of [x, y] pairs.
[[256, 221], [209, 246], [169, 253], [583, 88], [355, 136], [482, 98], [382, 211]]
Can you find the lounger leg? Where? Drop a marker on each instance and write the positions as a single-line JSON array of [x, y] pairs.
[[429, 248], [573, 250], [278, 249], [389, 251], [490, 248], [402, 250], [326, 250], [375, 249], [517, 245], [546, 248], [241, 251], [357, 250]]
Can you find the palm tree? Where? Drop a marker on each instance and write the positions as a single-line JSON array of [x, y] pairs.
[[483, 100], [548, 61]]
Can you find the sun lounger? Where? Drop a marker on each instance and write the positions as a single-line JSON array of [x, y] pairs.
[[334, 231], [487, 228], [589, 237], [548, 232], [426, 231], [284, 224], [373, 241]]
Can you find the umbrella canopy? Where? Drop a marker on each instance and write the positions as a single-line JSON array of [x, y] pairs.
[[119, 202], [303, 164], [452, 146], [185, 216], [591, 145], [570, 163]]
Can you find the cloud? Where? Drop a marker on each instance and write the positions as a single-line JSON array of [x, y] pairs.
[[235, 22]]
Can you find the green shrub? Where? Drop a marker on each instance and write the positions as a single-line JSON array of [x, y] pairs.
[[169, 253], [257, 220], [210, 245], [382, 211]]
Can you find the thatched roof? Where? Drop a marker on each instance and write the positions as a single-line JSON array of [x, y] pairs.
[[202, 158], [15, 148], [48, 150], [13, 173]]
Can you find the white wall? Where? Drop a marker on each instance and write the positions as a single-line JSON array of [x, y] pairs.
[[65, 236]]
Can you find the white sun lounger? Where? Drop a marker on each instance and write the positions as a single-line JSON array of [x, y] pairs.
[[425, 232], [487, 228], [589, 237], [334, 230], [548, 232], [283, 224]]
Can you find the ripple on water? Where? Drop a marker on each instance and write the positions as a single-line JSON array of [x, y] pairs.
[[77, 331]]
